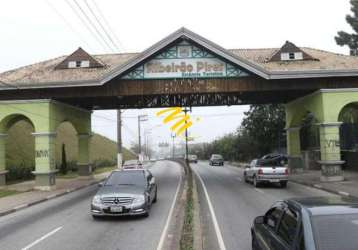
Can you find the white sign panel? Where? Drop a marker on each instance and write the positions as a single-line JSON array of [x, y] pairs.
[[185, 61], [181, 68]]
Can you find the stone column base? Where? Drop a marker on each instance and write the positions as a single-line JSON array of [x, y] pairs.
[[331, 171], [84, 171], [295, 164], [3, 177], [45, 181]]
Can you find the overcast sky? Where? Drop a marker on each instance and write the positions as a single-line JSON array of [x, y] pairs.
[[37, 30]]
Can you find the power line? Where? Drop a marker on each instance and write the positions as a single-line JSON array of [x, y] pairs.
[[67, 23], [100, 24], [85, 24], [93, 25], [108, 25]]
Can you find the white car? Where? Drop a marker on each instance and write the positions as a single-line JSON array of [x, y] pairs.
[[193, 158], [263, 171]]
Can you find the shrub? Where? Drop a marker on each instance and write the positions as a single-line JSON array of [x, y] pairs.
[[21, 172]]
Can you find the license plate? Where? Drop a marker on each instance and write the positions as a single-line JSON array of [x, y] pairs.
[[117, 209], [274, 180]]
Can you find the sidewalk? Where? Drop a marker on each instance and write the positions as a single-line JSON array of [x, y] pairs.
[[348, 187], [30, 197]]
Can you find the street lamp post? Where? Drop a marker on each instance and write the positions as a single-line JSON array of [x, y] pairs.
[[141, 118], [173, 145], [186, 138]]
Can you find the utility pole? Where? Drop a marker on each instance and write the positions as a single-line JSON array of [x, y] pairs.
[[186, 138], [141, 118], [173, 146], [139, 142], [119, 139]]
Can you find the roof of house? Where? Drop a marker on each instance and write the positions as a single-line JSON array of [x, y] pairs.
[[256, 61]]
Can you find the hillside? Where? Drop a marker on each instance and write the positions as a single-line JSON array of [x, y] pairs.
[[20, 146]]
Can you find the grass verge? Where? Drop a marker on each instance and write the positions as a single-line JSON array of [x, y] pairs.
[[187, 237], [4, 192]]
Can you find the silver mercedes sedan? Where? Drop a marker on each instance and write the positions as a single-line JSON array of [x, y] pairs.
[[125, 192]]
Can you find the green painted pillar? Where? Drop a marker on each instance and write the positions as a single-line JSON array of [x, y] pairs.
[[295, 162], [84, 166], [331, 163], [45, 169], [2, 160]]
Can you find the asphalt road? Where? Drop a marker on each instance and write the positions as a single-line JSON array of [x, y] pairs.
[[66, 223], [236, 203]]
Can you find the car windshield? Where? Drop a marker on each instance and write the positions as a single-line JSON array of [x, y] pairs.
[[217, 157], [135, 178], [332, 232]]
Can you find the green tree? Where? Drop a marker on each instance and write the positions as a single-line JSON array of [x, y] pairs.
[[265, 124], [351, 40]]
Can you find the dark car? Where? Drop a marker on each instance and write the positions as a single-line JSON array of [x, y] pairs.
[[216, 159], [276, 159], [126, 192], [316, 223]]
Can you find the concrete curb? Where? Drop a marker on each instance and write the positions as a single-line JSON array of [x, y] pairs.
[[50, 197], [174, 233], [317, 186], [198, 232]]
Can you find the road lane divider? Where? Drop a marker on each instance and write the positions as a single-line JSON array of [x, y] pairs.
[[170, 215], [259, 190], [212, 212], [42, 238]]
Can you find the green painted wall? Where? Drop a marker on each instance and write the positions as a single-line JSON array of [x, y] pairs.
[[45, 116], [326, 106]]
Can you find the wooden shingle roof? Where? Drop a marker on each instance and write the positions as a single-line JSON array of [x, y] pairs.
[[256, 61]]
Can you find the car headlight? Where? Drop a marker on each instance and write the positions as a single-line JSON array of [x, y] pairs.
[[139, 200], [96, 200]]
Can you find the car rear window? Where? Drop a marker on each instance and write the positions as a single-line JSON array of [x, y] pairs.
[[130, 177], [333, 232], [217, 157]]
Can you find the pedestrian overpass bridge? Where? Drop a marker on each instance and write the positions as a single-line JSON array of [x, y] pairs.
[[183, 69]]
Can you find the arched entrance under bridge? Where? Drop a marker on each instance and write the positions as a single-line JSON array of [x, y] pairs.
[[17, 147], [46, 116], [186, 69], [349, 135]]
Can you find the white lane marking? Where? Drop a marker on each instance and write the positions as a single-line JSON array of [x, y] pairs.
[[42, 238], [343, 193], [213, 216], [238, 178], [259, 190], [165, 230]]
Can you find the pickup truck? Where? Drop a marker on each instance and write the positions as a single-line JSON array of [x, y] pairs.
[[266, 171]]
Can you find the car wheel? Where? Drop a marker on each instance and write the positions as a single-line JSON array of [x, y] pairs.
[[146, 214], [253, 244], [283, 184], [95, 217], [155, 197], [255, 182], [245, 178]]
